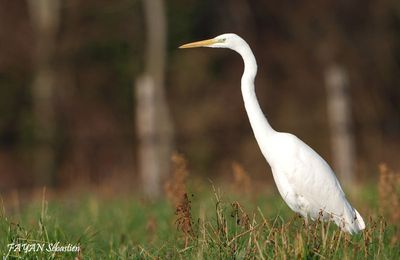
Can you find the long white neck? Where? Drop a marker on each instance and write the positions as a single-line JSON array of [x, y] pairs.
[[259, 123]]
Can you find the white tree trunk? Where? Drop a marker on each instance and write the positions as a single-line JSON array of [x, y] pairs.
[[339, 111], [45, 20], [154, 126]]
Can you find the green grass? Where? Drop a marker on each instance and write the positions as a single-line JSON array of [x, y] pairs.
[[228, 226]]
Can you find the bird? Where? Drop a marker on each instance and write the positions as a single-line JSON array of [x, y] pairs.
[[304, 179]]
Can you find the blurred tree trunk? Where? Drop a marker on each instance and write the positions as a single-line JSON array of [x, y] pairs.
[[45, 20], [154, 127], [338, 102]]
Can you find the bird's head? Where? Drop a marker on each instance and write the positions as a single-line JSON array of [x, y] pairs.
[[227, 40]]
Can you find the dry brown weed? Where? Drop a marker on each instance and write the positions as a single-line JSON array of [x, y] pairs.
[[389, 197], [176, 192], [241, 180]]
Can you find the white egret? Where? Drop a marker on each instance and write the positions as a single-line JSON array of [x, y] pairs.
[[305, 181]]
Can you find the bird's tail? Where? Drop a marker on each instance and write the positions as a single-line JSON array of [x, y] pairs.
[[359, 220], [354, 223]]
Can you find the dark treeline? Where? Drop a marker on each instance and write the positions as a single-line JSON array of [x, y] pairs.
[[98, 52]]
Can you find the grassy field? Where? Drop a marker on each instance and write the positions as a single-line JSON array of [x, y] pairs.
[[195, 222]]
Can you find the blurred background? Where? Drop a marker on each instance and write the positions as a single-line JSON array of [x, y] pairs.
[[97, 92]]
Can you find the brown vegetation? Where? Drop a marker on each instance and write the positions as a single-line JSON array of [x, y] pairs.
[[241, 180], [176, 191], [389, 193]]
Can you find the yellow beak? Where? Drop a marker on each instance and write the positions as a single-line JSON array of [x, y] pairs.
[[204, 43]]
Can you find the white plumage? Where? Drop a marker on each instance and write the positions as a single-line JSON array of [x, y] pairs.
[[305, 181]]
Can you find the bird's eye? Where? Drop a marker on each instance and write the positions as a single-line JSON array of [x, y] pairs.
[[222, 40]]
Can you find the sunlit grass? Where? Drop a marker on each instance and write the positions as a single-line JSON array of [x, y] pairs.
[[209, 222]]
